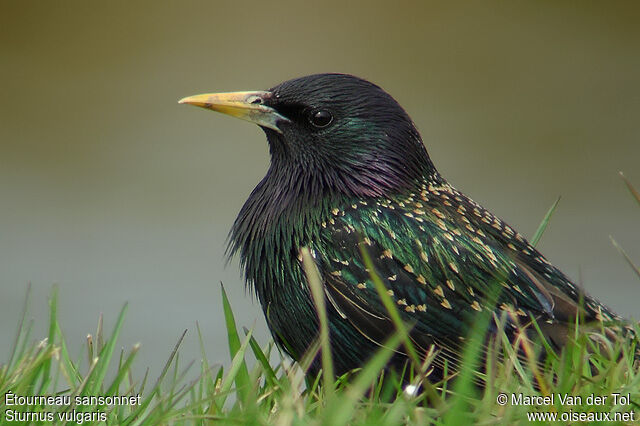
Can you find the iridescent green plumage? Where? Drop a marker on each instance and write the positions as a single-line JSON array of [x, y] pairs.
[[438, 252], [349, 171]]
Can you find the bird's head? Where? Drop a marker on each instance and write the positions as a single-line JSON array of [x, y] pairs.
[[336, 130]]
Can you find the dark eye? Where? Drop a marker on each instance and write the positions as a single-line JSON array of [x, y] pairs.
[[320, 118]]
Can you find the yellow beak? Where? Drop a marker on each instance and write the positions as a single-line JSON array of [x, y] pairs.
[[248, 106]]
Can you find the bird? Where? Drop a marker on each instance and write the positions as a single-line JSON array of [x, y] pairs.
[[350, 178]]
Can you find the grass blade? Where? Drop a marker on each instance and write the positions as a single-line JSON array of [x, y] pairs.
[[627, 258], [237, 365], [104, 357], [401, 328], [342, 410], [53, 314], [543, 225], [207, 379], [122, 371], [630, 187], [317, 292], [465, 387], [391, 308], [242, 376], [270, 375], [156, 388]]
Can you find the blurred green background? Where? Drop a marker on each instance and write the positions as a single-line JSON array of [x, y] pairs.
[[113, 190]]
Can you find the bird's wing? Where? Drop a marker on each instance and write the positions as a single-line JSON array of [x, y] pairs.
[[437, 270]]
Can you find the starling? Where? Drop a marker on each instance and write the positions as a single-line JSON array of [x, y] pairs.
[[349, 170]]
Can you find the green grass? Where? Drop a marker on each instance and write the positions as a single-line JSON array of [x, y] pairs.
[[253, 390]]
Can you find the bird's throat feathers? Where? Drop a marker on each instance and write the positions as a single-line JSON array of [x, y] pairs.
[[282, 213]]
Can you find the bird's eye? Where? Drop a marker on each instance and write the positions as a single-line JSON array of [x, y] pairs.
[[320, 118]]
